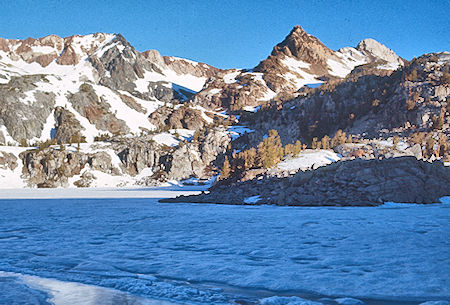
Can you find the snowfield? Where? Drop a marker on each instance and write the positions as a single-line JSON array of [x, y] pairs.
[[142, 251], [309, 159]]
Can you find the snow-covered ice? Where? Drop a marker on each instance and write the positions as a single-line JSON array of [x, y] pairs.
[[218, 254], [28, 289]]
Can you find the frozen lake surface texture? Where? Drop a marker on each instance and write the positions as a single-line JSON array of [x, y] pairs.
[[139, 251]]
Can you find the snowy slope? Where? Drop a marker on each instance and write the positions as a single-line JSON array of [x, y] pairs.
[[24, 58]]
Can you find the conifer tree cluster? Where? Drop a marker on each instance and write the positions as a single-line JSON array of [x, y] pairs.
[[269, 152], [326, 142]]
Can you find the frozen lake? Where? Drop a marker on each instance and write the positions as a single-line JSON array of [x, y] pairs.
[[139, 251]]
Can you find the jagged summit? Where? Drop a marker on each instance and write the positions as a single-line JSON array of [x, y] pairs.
[[303, 46], [66, 51], [373, 48], [300, 59]]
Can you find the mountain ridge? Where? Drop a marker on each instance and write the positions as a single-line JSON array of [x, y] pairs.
[[164, 117]]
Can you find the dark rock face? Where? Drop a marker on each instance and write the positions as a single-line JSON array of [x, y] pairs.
[[66, 125], [118, 65], [96, 110], [137, 154], [348, 183], [24, 120]]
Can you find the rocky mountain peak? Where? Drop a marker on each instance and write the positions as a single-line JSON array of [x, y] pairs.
[[373, 48], [302, 46], [155, 57]]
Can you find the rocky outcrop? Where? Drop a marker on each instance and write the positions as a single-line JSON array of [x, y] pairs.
[[199, 158], [183, 66], [181, 117], [68, 128], [136, 154], [51, 167], [96, 110], [8, 161], [65, 51], [347, 183], [234, 90], [23, 109]]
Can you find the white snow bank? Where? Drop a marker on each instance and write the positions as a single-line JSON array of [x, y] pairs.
[[230, 77], [166, 138], [65, 293], [309, 159], [338, 69], [251, 108]]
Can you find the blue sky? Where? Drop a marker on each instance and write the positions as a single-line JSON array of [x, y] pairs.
[[230, 34]]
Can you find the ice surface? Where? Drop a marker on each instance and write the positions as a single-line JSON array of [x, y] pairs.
[[217, 254]]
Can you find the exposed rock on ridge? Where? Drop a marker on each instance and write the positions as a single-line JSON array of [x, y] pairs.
[[300, 59]]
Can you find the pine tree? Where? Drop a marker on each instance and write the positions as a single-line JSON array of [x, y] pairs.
[[395, 141], [270, 150], [339, 138], [314, 143], [325, 142], [226, 169], [249, 158]]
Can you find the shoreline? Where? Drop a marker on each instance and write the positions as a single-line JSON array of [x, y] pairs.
[[106, 193]]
